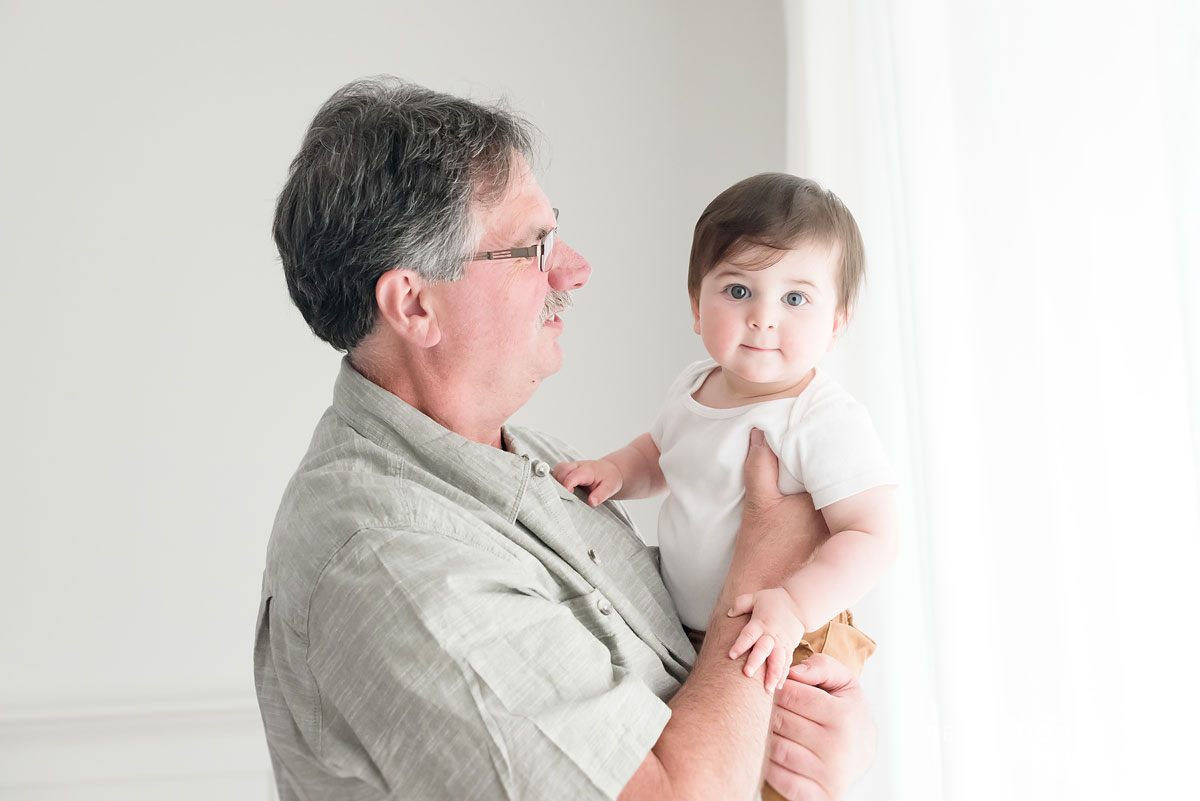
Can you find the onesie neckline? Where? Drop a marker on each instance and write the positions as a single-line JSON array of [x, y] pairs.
[[699, 408]]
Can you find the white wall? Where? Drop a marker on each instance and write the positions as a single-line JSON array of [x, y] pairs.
[[159, 388]]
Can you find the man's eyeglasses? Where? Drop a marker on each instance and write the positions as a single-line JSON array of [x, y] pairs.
[[541, 250]]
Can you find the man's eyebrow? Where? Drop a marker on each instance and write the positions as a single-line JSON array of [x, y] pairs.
[[533, 235]]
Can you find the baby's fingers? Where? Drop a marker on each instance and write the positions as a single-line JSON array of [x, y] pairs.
[[758, 655], [603, 491], [777, 667], [577, 477], [563, 471], [749, 635]]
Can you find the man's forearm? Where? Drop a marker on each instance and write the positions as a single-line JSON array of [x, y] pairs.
[[715, 743], [714, 746]]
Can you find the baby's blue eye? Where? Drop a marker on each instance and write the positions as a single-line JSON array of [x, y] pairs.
[[795, 299], [738, 292]]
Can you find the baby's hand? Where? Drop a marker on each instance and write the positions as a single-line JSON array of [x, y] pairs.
[[599, 475], [774, 630]]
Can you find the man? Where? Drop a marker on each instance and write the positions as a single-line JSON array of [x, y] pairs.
[[440, 618]]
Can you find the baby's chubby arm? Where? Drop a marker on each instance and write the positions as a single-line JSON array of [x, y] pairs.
[[852, 560], [844, 569], [631, 472]]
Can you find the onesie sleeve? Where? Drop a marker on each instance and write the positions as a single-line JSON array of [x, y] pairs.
[[656, 430], [834, 451], [679, 387]]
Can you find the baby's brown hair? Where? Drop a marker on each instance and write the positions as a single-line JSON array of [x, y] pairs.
[[777, 211]]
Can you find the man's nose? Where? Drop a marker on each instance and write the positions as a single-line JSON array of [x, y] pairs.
[[568, 269]]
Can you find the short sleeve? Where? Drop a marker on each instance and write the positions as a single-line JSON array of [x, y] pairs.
[[443, 672], [656, 430], [679, 387], [834, 451]]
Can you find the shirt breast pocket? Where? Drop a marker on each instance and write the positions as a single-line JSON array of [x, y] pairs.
[[558, 655]]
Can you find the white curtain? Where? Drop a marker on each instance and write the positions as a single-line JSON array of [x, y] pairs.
[[1027, 178]]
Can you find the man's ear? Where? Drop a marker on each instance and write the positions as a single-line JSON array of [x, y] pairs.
[[696, 315], [403, 298], [839, 325]]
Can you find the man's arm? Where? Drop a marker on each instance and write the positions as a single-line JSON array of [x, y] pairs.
[[844, 568], [713, 746]]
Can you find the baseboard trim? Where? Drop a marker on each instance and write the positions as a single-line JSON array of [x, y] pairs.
[[181, 738]]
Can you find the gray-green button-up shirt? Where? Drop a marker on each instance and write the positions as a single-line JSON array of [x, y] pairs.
[[440, 619]]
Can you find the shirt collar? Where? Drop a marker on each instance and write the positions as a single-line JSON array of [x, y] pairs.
[[492, 476], [499, 480]]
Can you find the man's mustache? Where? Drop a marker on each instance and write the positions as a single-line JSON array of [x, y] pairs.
[[556, 301]]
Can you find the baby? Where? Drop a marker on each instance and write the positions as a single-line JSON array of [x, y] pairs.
[[775, 266]]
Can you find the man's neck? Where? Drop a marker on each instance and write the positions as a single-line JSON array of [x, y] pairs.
[[457, 406]]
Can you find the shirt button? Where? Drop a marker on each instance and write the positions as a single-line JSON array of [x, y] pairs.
[[592, 555], [541, 469], [604, 606]]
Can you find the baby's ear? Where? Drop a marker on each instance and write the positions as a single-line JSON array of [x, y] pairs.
[[696, 315], [839, 325]]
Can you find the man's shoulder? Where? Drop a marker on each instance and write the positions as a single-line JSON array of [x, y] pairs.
[[348, 487], [345, 481]]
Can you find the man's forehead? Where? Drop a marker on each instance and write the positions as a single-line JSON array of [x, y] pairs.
[[522, 216]]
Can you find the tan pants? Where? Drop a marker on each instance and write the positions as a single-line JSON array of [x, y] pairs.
[[838, 638]]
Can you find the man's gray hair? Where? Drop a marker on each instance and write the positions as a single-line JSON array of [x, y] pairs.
[[384, 180]]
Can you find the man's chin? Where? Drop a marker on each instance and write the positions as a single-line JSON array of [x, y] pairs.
[[554, 362]]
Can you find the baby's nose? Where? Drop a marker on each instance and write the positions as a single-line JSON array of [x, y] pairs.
[[762, 323]]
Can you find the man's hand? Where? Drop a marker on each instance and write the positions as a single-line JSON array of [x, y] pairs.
[[779, 533], [601, 476], [772, 634], [822, 736]]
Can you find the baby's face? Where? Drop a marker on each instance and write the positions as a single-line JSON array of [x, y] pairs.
[[768, 327]]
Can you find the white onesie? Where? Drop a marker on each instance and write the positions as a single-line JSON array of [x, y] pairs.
[[827, 447]]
